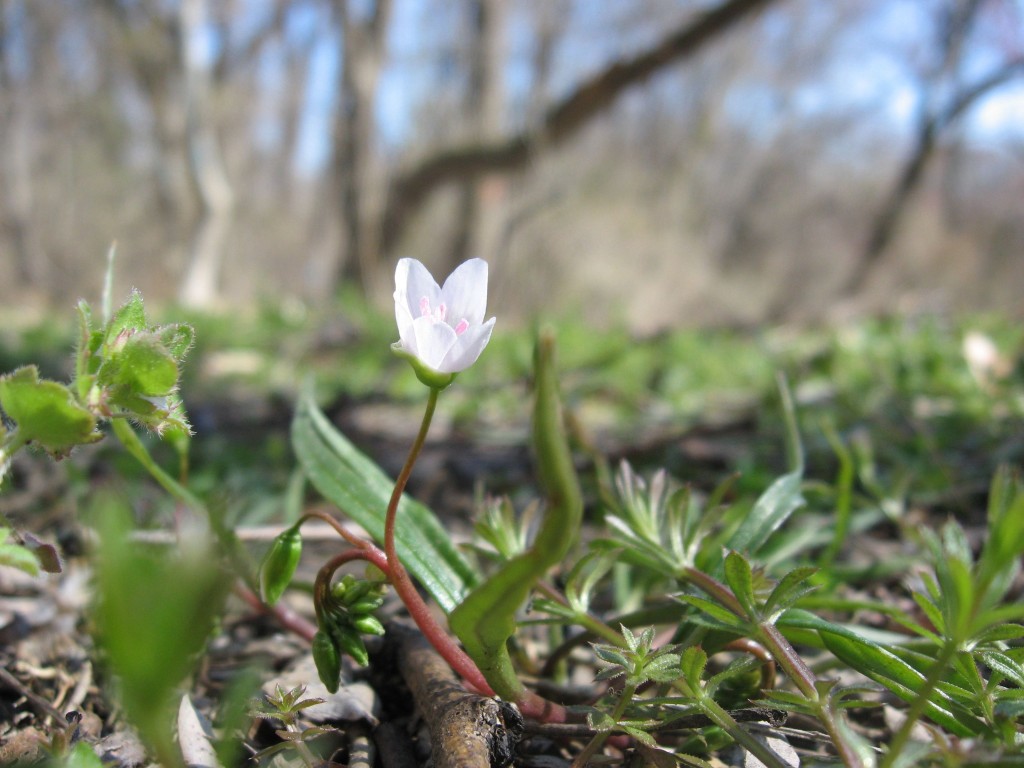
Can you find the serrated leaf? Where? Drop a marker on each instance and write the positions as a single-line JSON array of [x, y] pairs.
[[46, 412], [770, 511], [361, 490]]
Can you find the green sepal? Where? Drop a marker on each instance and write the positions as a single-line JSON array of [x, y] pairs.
[[279, 564], [327, 660], [46, 412], [426, 374]]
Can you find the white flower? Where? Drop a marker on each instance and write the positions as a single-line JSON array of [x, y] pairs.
[[441, 329]]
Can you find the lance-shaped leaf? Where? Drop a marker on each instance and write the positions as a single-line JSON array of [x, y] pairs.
[[361, 490]]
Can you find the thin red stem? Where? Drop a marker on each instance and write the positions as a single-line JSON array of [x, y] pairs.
[[401, 581], [346, 534]]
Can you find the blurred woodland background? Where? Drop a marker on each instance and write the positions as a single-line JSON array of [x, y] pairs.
[[665, 162]]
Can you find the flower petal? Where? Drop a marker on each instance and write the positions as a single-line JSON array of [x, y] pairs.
[[465, 292], [413, 282], [467, 348], [433, 340]]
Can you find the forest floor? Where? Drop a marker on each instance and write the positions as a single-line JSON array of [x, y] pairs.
[[933, 450]]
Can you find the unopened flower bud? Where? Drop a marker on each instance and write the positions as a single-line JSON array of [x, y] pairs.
[[327, 660], [368, 625], [279, 565], [352, 644]]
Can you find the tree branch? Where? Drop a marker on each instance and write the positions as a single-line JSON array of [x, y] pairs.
[[912, 172], [409, 190]]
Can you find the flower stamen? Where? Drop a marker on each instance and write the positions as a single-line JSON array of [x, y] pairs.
[[438, 315]]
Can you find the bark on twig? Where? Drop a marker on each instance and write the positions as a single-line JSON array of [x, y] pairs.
[[466, 730]]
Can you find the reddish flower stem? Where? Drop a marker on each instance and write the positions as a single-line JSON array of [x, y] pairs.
[[401, 581]]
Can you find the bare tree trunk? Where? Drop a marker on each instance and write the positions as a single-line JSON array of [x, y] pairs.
[[890, 215], [201, 282], [32, 267], [937, 115], [356, 166], [409, 190], [484, 99]]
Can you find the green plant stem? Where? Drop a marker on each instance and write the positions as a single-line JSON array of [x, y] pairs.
[[529, 702], [583, 758], [124, 432], [285, 616], [347, 535], [935, 675], [721, 717], [785, 656], [716, 589], [590, 623]]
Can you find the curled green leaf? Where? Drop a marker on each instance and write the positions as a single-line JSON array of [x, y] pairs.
[[486, 618]]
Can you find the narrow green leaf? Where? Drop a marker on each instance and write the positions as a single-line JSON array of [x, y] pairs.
[[1000, 632], [790, 588], [692, 664], [722, 615], [772, 509], [899, 677], [931, 610], [1005, 666], [361, 490], [741, 581]]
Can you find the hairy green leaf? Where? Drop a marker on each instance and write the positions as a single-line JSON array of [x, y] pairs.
[[46, 412]]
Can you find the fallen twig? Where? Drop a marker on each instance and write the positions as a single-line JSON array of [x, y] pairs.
[[466, 730]]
